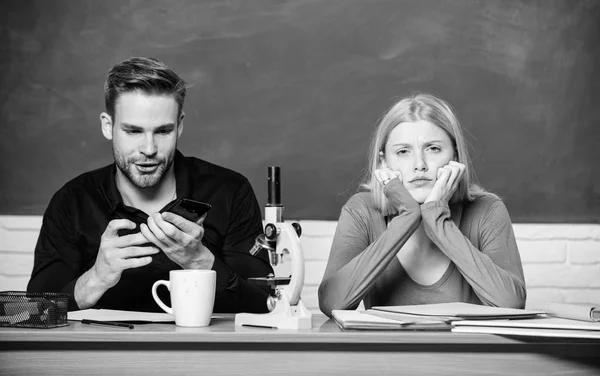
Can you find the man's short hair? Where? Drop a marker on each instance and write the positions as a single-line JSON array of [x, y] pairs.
[[143, 74]]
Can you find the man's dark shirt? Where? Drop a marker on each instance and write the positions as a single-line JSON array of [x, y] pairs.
[[79, 213]]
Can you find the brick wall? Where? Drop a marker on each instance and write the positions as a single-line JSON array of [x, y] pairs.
[[561, 261], [18, 235]]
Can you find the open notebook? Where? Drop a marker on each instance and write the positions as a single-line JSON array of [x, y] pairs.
[[373, 320], [460, 311]]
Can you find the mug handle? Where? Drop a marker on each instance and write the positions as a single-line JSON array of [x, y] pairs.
[[162, 305]]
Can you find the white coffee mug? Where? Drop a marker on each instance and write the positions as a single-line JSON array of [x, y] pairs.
[[192, 296]]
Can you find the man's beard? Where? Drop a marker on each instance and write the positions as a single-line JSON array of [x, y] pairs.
[[138, 179]]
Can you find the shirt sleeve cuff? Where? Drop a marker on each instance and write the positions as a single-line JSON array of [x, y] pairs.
[[70, 289], [434, 205], [431, 211], [399, 196], [226, 279]]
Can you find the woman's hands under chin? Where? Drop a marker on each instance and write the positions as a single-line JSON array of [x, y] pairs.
[[448, 178], [384, 175]]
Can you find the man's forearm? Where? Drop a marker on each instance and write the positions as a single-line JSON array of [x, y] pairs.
[[88, 289]]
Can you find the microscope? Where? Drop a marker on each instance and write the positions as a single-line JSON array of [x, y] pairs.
[[281, 239]]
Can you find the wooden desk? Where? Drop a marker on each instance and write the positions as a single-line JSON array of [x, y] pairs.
[[223, 348]]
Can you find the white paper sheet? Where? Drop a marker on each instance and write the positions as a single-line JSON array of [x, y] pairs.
[[116, 315], [528, 332], [460, 310], [540, 323]]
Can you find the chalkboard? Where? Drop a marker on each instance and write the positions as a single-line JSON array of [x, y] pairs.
[[301, 84]]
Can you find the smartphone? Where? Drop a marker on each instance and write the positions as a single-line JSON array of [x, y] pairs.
[[188, 209]]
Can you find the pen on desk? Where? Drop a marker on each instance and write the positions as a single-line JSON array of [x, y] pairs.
[[107, 323], [259, 326]]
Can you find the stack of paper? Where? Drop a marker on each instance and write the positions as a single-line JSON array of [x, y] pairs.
[[574, 311], [540, 327], [469, 318], [460, 311]]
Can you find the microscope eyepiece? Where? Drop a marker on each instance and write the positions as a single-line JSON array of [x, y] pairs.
[[274, 186]]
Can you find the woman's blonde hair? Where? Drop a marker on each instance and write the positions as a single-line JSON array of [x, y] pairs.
[[435, 110]]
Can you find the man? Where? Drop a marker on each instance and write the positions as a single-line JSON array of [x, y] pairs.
[[80, 250]]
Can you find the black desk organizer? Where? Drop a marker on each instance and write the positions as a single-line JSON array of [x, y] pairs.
[[33, 310]]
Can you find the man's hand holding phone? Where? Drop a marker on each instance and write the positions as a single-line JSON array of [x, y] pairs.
[[117, 253], [180, 238]]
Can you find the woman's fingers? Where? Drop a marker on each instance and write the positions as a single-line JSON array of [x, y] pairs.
[[452, 173], [443, 176], [456, 172], [384, 175]]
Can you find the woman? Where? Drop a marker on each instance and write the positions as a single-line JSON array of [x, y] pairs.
[[424, 232]]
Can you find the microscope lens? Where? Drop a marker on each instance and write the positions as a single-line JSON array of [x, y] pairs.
[[274, 186]]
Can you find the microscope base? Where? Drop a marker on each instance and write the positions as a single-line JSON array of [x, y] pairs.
[[283, 317]]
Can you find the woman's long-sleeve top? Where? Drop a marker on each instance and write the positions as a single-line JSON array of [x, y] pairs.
[[476, 236]]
